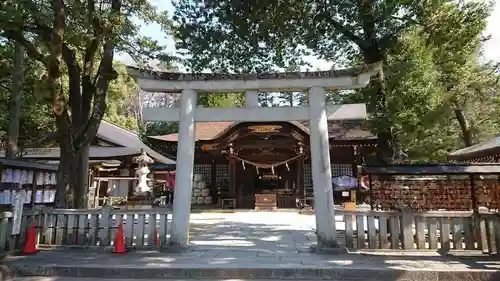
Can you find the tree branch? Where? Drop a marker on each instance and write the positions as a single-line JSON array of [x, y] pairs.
[[6, 88], [30, 48], [105, 74], [347, 33], [74, 73], [88, 89]]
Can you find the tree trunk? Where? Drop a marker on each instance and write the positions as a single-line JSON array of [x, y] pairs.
[[372, 53], [467, 134], [290, 99], [81, 177], [385, 138], [72, 180], [64, 187], [15, 102]]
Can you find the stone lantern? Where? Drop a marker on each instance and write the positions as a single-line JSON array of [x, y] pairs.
[[142, 161]]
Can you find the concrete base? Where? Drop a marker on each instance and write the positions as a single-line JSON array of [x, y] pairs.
[[229, 264], [7, 272], [329, 251], [333, 273]]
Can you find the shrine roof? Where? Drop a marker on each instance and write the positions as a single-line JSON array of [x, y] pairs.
[[16, 163], [481, 150], [338, 130], [123, 142], [432, 169]]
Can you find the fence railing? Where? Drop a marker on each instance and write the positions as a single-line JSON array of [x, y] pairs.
[[407, 230], [88, 227], [359, 229]]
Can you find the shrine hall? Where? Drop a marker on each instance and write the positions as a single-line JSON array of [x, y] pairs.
[[238, 162]]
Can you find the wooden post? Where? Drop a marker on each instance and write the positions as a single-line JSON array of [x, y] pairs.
[[33, 190], [407, 228], [213, 176], [97, 191], [300, 178], [370, 186], [232, 178], [104, 224]]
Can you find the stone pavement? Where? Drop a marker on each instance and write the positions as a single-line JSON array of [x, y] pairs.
[[257, 246], [264, 232]]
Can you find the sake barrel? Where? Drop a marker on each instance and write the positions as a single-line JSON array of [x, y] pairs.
[[196, 193], [205, 192], [194, 200], [208, 200], [201, 200], [201, 184]]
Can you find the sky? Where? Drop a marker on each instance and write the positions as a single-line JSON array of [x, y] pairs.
[[491, 48]]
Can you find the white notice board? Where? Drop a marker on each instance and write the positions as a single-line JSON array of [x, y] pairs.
[[18, 211]]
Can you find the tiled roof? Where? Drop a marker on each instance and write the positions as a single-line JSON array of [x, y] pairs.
[[204, 131], [129, 141], [483, 149], [342, 130]]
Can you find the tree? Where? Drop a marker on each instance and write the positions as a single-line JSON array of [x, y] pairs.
[[455, 43], [440, 96], [15, 102], [69, 38]]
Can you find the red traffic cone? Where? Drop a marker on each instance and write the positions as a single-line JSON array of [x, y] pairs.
[[156, 238], [30, 246], [120, 241]]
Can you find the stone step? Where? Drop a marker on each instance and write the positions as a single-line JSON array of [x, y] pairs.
[[221, 273], [44, 278], [218, 263]]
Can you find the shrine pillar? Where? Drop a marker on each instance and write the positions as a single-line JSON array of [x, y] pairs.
[[321, 170], [184, 169], [252, 98]]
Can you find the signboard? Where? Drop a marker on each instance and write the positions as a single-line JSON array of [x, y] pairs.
[[344, 183], [18, 211]]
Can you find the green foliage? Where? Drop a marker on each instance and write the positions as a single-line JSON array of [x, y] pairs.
[[260, 35], [35, 118], [160, 128], [123, 100], [221, 100]]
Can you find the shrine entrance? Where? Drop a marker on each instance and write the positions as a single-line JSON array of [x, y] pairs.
[[317, 113], [265, 160]]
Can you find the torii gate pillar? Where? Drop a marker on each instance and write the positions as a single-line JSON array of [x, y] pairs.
[[321, 170], [184, 169]]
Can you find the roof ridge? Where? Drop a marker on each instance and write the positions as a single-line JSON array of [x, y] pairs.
[[120, 127]]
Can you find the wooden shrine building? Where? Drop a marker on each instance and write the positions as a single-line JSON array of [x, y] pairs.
[[237, 160], [112, 171]]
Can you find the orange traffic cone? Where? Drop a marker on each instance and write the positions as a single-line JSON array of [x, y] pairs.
[[30, 246], [120, 241], [156, 238]]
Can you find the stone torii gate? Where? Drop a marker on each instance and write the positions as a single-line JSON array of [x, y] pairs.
[[317, 113]]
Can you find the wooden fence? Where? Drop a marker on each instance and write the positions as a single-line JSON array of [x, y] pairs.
[[407, 230], [88, 228], [360, 229]]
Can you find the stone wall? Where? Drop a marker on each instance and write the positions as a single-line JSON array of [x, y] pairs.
[[435, 194]]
